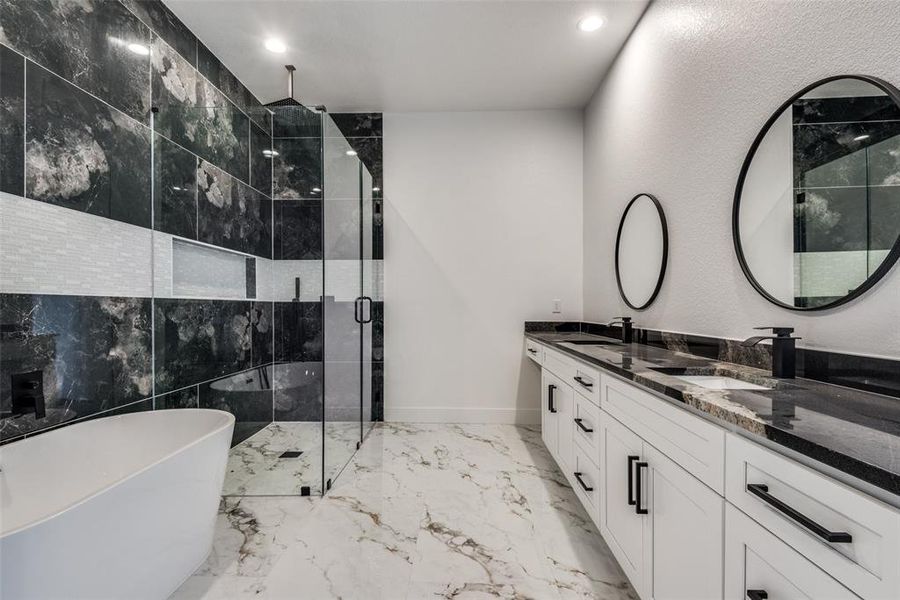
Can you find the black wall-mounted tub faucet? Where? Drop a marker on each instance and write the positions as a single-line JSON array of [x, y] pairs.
[[627, 328], [784, 350]]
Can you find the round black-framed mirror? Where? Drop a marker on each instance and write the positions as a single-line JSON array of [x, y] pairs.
[[642, 251], [816, 211]]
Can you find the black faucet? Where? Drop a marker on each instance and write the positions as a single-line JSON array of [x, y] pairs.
[[784, 363], [627, 328]]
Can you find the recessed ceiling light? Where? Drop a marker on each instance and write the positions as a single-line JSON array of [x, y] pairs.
[[275, 45], [591, 23], [860, 138], [351, 153], [316, 190], [139, 49], [376, 189], [269, 153]]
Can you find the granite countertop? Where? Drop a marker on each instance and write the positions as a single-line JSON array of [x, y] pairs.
[[854, 431]]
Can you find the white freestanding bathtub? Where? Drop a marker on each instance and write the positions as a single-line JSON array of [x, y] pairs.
[[115, 508]]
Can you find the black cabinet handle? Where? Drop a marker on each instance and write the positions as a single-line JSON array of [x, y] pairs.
[[757, 594], [357, 311], [762, 491], [631, 459], [550, 406], [584, 486], [532, 350], [640, 502], [586, 384], [583, 428]]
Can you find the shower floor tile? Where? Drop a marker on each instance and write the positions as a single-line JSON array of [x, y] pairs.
[[422, 511], [256, 468]]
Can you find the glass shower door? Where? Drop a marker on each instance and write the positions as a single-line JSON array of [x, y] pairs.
[[342, 304], [370, 285]]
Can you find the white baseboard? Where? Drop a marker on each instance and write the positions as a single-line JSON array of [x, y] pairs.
[[415, 414]]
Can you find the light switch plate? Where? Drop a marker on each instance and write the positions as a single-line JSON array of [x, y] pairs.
[[557, 306]]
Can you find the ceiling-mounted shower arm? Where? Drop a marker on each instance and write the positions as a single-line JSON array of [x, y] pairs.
[[290, 70]]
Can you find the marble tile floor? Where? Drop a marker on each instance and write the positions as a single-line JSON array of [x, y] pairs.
[[421, 512], [255, 469]]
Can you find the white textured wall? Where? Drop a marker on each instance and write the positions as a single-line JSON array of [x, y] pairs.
[[482, 231], [676, 116]]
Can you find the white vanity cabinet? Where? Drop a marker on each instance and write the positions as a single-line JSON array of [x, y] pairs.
[[691, 511], [556, 419], [663, 525], [758, 565]]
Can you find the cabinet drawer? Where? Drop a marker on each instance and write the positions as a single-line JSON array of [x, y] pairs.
[[586, 427], [696, 445], [583, 379], [534, 351], [585, 478], [586, 381], [868, 564], [558, 364], [759, 565]]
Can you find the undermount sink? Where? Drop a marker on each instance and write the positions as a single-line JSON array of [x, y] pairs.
[[591, 343], [720, 382], [711, 378]]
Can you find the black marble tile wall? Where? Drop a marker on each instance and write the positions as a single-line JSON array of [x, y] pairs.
[[247, 395], [184, 398], [365, 133], [94, 354], [196, 115], [213, 69], [94, 69], [106, 153], [377, 331], [298, 230], [231, 214], [297, 169], [299, 333], [260, 159], [156, 15], [200, 340], [378, 391], [98, 45], [175, 189], [263, 339], [298, 391], [12, 122]]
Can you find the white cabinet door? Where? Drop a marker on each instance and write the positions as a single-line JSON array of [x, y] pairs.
[[564, 403], [683, 556], [549, 412], [758, 566], [621, 525]]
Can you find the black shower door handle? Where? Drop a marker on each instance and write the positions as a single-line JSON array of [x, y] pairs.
[[369, 311]]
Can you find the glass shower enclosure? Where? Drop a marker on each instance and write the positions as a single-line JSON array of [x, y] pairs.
[[296, 257]]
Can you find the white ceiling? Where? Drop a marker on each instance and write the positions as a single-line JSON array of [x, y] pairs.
[[425, 55]]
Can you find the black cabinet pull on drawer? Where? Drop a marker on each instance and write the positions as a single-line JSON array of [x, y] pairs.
[[757, 594], [638, 507], [532, 350], [586, 384], [762, 491], [583, 428], [631, 459], [584, 486]]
